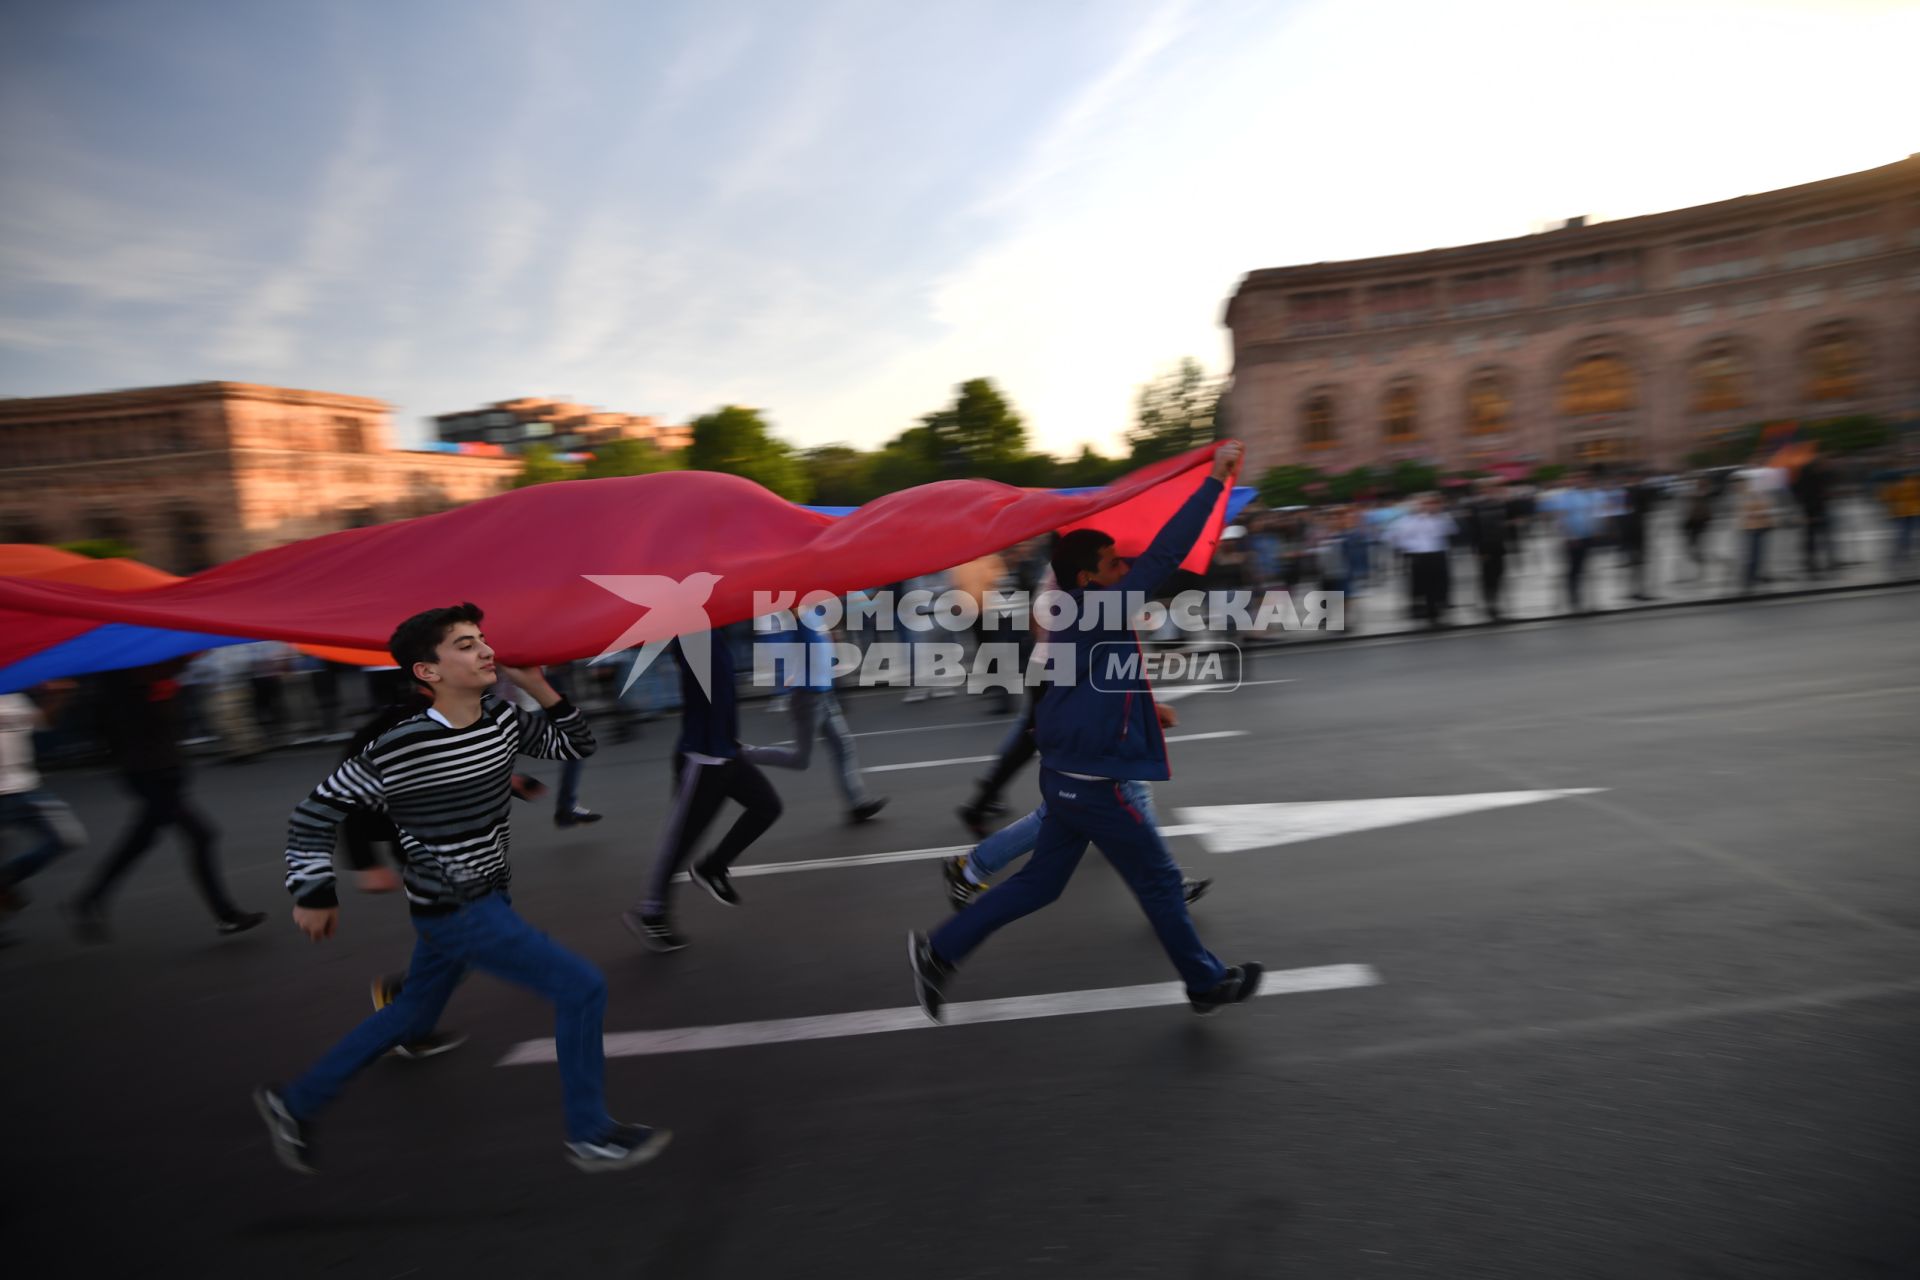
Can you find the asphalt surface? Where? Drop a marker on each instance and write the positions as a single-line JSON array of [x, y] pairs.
[[1667, 1028]]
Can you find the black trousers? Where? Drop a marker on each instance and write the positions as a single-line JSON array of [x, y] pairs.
[[1577, 549], [700, 791], [1493, 573], [1431, 580], [163, 803], [1019, 747]]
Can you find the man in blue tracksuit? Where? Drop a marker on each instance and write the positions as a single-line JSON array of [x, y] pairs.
[[1100, 745]]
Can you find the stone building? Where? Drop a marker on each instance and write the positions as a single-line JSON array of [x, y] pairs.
[[565, 427], [190, 476], [1640, 340]]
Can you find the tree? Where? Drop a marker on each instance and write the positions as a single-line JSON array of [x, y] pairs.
[[1856, 433], [1412, 477], [841, 476], [979, 434], [1349, 485], [99, 548], [1289, 486], [1088, 470], [908, 459], [738, 442], [538, 466], [1176, 413], [630, 458]]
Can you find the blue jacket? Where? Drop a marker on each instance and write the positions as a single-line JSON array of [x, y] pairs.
[[709, 726], [1112, 731]]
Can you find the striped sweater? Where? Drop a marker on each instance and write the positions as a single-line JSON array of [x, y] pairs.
[[447, 790]]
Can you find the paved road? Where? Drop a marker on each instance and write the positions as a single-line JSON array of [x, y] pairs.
[[1663, 1028]]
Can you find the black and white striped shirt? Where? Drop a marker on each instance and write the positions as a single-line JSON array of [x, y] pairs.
[[447, 790]]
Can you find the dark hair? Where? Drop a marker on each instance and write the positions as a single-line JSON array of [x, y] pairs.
[[1075, 552], [418, 638]]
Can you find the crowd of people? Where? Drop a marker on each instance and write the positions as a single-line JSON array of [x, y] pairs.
[[432, 781], [1727, 524]]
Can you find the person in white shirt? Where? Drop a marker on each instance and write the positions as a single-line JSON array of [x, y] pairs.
[[48, 822], [1424, 535]]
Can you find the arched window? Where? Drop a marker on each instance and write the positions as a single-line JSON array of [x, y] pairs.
[[1835, 366], [1489, 404], [1597, 384], [1400, 418], [1320, 428], [1719, 380]]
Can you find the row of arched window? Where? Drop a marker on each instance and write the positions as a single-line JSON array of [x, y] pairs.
[[1720, 379]]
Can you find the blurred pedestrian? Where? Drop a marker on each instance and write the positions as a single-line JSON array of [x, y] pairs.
[[1637, 501], [1758, 515], [1813, 490], [143, 733], [1578, 509], [1694, 522], [25, 804], [1425, 535], [817, 714], [1902, 498], [1489, 534]]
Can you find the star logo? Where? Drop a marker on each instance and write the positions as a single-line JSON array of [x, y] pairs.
[[674, 607]]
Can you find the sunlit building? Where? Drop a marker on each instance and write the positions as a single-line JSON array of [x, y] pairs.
[[1641, 340], [189, 476]]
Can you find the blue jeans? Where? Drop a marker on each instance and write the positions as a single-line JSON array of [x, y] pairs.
[[991, 856], [1073, 813], [48, 822], [816, 713], [486, 935]]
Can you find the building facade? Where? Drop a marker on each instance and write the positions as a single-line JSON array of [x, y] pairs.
[[1637, 341], [513, 425], [191, 476]]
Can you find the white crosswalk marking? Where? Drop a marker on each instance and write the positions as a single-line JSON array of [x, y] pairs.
[[633, 1044]]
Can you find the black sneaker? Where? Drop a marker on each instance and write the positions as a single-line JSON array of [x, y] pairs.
[[656, 931], [430, 1045], [961, 888], [930, 972], [575, 817], [1193, 888], [715, 881], [242, 922], [864, 812], [1241, 983], [973, 820], [627, 1146], [289, 1136]]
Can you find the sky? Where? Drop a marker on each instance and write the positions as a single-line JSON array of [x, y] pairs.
[[836, 212]]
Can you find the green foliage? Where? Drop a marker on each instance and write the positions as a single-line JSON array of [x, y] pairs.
[[1349, 485], [737, 441], [841, 476], [1176, 413], [631, 458], [1548, 473], [539, 466], [99, 548], [979, 434], [1412, 477], [1088, 470], [1291, 486], [905, 461], [1855, 433]]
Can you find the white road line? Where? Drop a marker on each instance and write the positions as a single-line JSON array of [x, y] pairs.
[[852, 860], [633, 1044], [934, 764], [1187, 691]]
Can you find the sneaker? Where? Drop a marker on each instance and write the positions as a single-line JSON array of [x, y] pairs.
[[89, 921], [242, 922], [430, 1045], [288, 1135], [1193, 888], [1241, 982], [715, 881], [656, 931], [386, 989], [864, 812], [626, 1147], [962, 889], [929, 973], [575, 817]]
